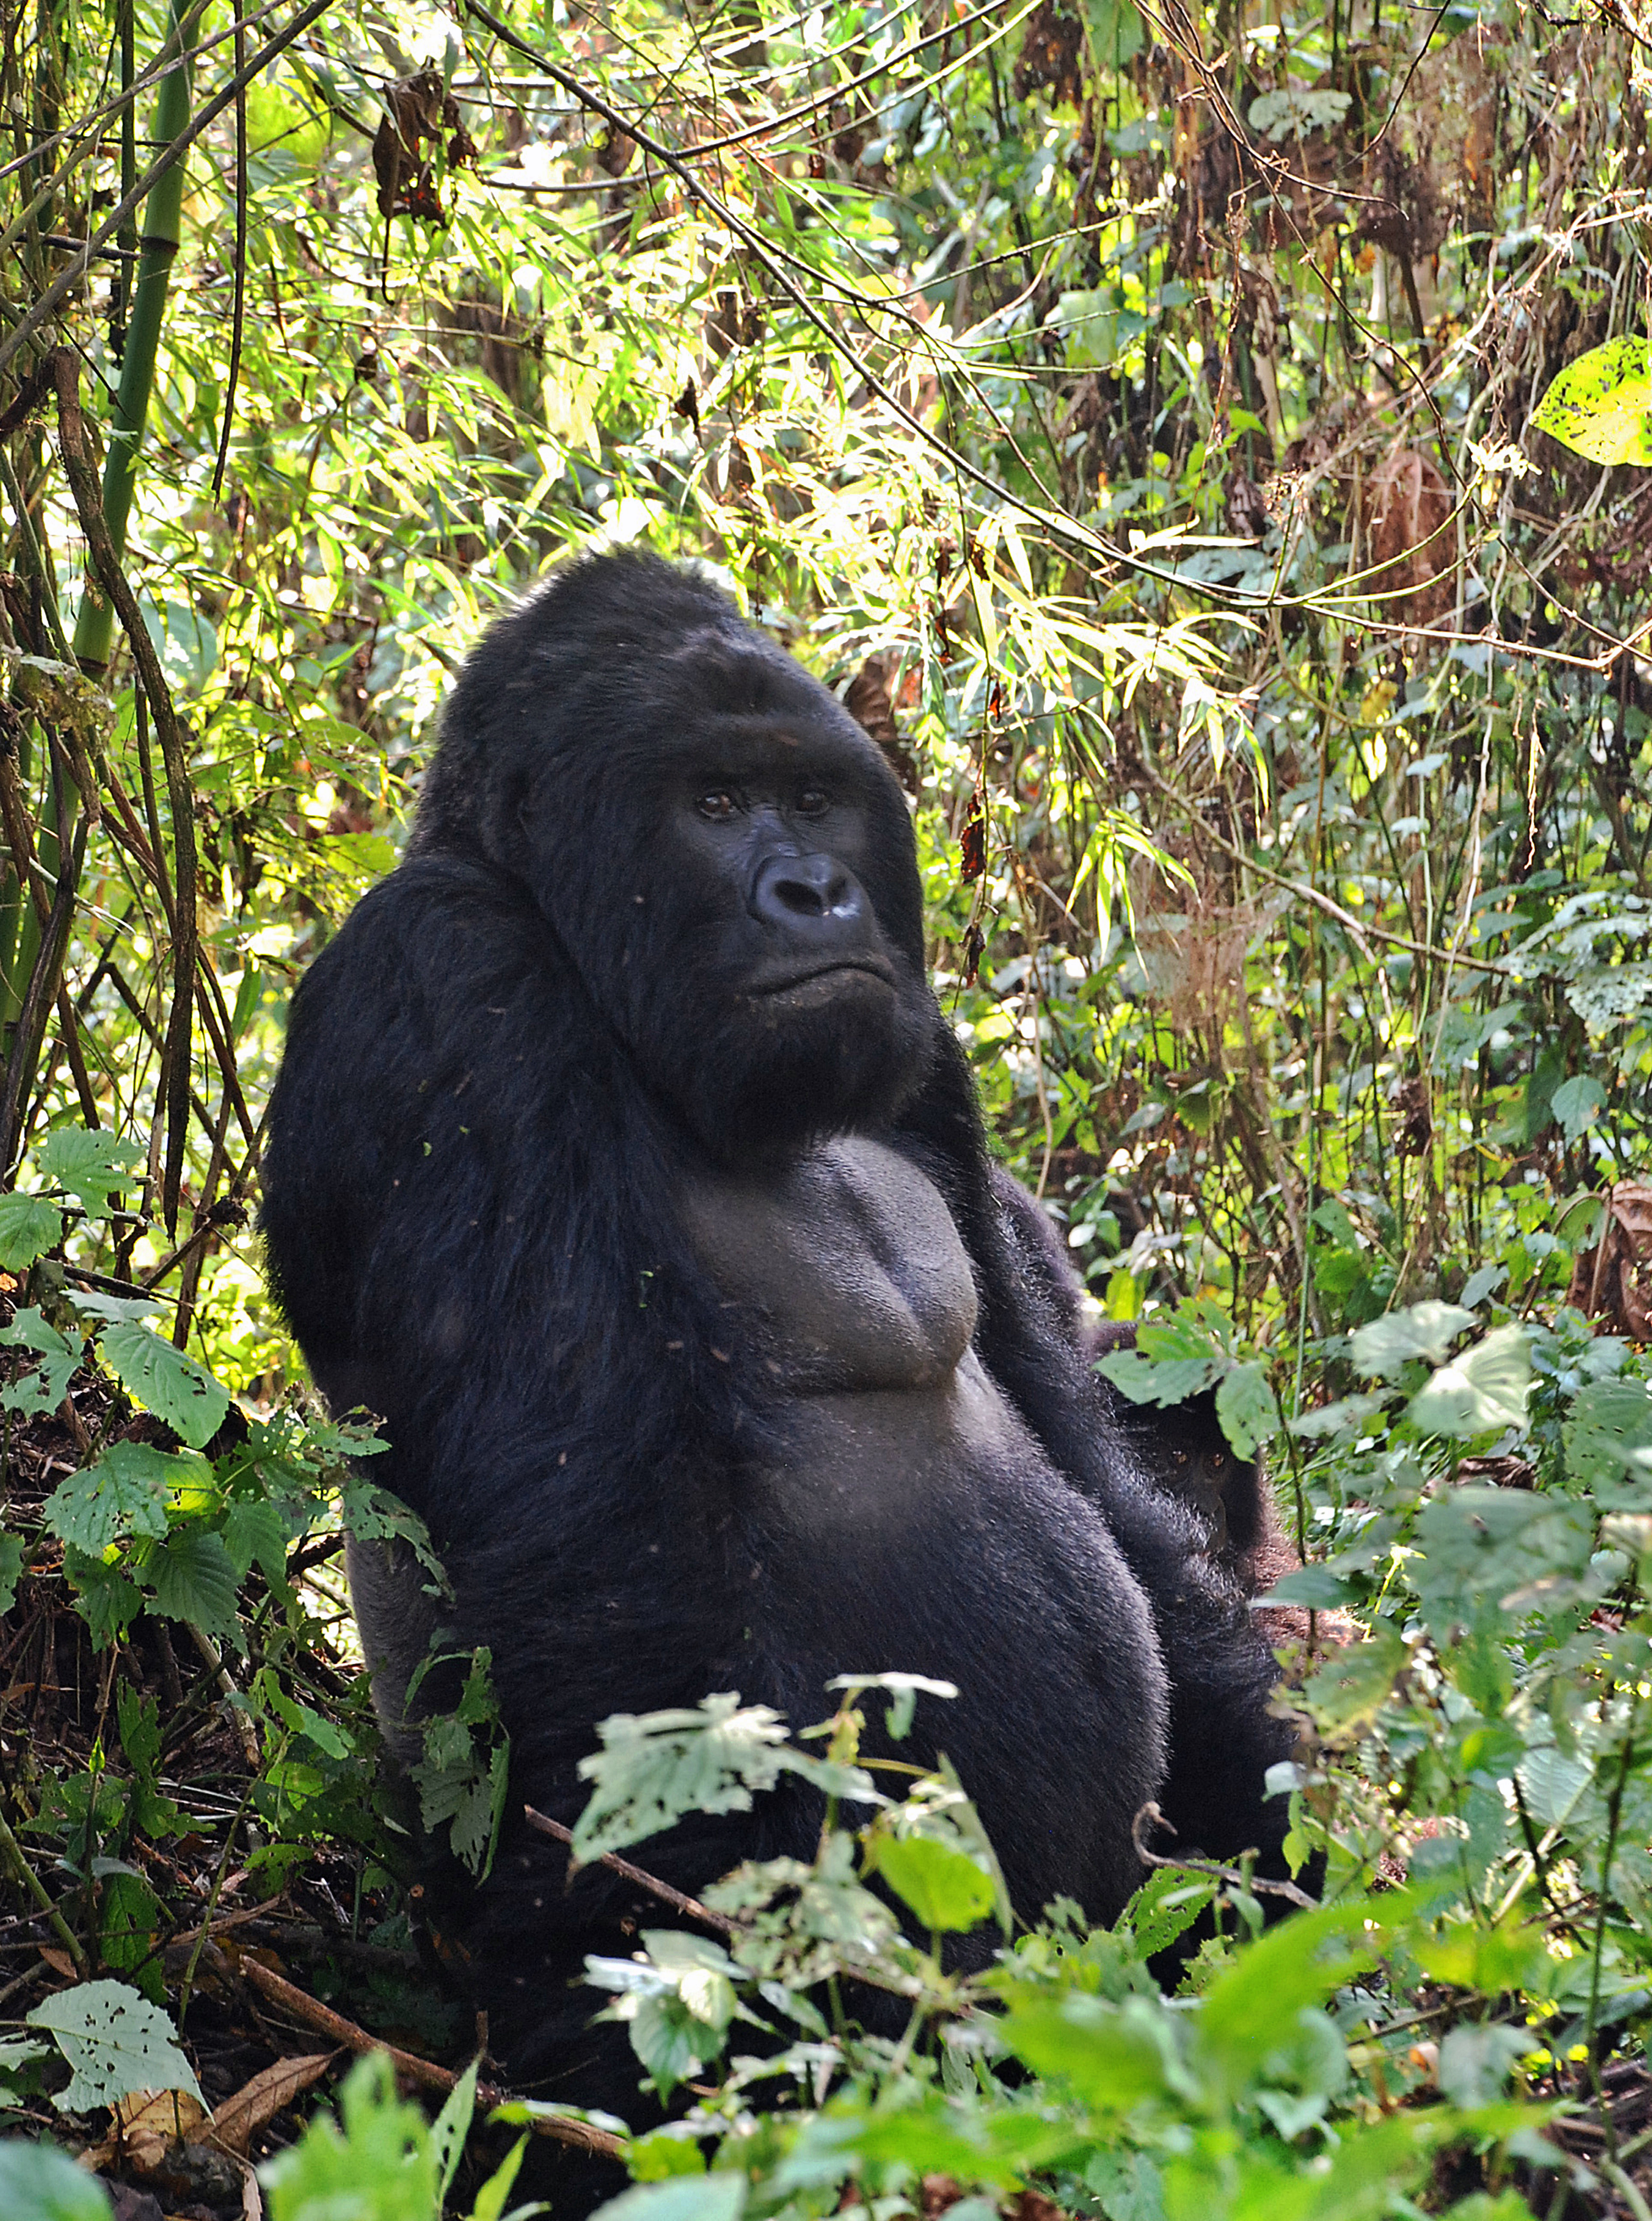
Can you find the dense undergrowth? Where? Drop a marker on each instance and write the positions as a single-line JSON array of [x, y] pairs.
[[1139, 415]]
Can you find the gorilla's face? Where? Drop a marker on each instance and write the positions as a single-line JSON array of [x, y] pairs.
[[725, 857], [780, 1003]]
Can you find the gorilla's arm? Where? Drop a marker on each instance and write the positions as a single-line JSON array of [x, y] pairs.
[[1224, 1734]]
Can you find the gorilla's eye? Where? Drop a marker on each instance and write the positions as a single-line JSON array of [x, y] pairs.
[[719, 805], [813, 802]]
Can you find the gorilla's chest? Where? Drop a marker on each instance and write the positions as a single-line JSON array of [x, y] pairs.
[[846, 1265], [848, 1274]]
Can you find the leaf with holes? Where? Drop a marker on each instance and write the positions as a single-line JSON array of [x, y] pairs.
[[124, 1493], [194, 1579], [166, 1381], [1600, 406], [1485, 1388], [116, 2042]]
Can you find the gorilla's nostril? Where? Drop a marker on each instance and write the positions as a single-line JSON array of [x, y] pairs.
[[806, 890], [810, 897]]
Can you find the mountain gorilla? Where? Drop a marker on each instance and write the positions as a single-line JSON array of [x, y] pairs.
[[623, 1160]]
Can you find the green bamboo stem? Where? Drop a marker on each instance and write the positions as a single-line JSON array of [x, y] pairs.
[[163, 225], [162, 228]]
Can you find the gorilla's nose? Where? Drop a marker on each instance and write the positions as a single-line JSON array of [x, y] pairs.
[[810, 894]]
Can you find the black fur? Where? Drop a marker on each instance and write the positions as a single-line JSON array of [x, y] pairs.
[[500, 1079]]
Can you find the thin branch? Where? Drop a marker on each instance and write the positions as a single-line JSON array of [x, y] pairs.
[[580, 2134], [690, 1907], [1151, 1817]]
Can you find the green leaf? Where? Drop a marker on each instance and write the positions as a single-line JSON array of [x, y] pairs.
[[1600, 406], [1577, 1104], [1245, 1405], [1475, 2060], [30, 1226], [125, 1491], [194, 1580], [1116, 32], [40, 2183], [43, 1387], [1112, 2056], [451, 2127], [1348, 1691], [943, 1887], [167, 1381], [104, 1597], [655, 1767], [11, 1569], [1314, 1587], [90, 1166], [1482, 1551], [1338, 1418], [1608, 1420], [130, 1918], [719, 2197], [1255, 2006], [1425, 1330], [1171, 1381], [1483, 1390], [383, 2168], [117, 2043]]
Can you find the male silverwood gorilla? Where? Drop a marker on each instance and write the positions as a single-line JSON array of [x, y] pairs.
[[623, 1160]]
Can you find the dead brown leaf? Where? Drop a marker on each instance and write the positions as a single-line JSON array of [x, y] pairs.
[[1407, 509], [261, 2100], [1612, 1282]]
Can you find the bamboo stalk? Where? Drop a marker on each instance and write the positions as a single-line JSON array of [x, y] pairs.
[[162, 228]]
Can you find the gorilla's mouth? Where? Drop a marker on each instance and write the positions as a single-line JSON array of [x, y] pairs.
[[823, 975]]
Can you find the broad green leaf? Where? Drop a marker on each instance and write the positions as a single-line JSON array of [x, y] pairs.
[[92, 1167], [30, 1226], [1339, 1419], [1489, 1960], [1315, 1587], [1116, 32], [719, 2197], [104, 1597], [1552, 1785], [943, 1887], [117, 2043], [1608, 1420], [124, 1493], [1245, 1405], [194, 1580], [655, 1767], [1110, 2055], [40, 2183], [1348, 1691], [166, 1381], [1254, 2007], [1475, 2060], [1482, 1551], [130, 1919], [1483, 1390], [383, 2168], [1600, 406], [1577, 1104], [1425, 1330], [1170, 1382], [43, 1387]]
